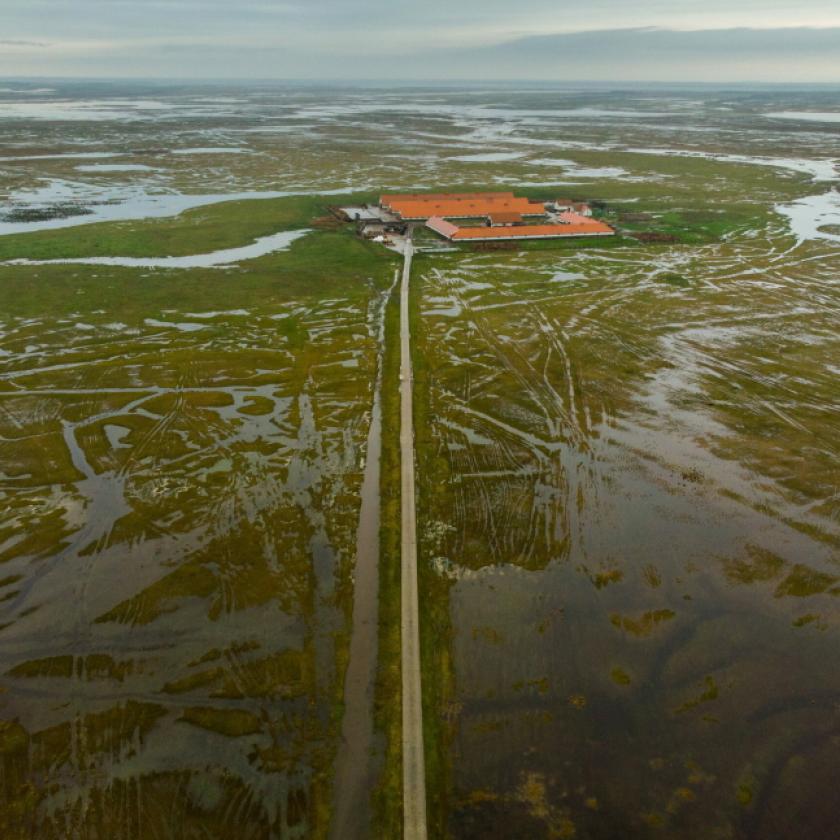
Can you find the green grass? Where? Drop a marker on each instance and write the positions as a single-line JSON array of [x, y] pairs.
[[322, 263]]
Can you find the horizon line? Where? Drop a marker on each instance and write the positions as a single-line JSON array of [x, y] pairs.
[[328, 80]]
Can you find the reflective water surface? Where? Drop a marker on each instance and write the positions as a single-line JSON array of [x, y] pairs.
[[632, 519]]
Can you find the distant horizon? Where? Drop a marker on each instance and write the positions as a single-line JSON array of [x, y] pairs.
[[569, 84]]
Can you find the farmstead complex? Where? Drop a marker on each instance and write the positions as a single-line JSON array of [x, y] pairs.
[[493, 216]]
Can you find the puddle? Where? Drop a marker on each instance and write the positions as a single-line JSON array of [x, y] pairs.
[[237, 312], [488, 157], [185, 327], [208, 150], [64, 156], [81, 110], [819, 170], [575, 170], [115, 167], [359, 759], [116, 435], [806, 116], [815, 217]]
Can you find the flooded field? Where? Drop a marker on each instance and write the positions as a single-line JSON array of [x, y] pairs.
[[628, 462], [631, 539], [181, 482]]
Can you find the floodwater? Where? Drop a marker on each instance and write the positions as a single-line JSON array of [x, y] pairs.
[[93, 203], [807, 116], [628, 464], [179, 529], [641, 571], [814, 217], [489, 157], [572, 169], [114, 167]]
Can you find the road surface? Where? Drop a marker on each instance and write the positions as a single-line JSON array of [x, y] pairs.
[[414, 765]]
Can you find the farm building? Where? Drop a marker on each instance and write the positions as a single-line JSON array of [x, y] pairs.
[[505, 216], [576, 226], [502, 219], [564, 205], [459, 207]]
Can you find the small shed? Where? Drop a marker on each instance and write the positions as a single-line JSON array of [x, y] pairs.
[[504, 219]]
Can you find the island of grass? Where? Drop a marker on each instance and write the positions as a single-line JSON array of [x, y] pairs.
[[502, 220]]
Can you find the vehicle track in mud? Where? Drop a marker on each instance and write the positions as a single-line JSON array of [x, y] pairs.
[[607, 468]]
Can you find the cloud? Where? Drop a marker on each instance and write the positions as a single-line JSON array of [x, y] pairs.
[[668, 40], [641, 40], [655, 54]]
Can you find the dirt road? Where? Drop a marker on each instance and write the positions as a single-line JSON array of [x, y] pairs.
[[414, 767]]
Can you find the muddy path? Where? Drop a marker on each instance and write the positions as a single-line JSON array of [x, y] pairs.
[[414, 765]]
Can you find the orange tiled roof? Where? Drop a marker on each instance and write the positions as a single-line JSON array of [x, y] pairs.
[[528, 231], [387, 200], [505, 218], [443, 227], [465, 208]]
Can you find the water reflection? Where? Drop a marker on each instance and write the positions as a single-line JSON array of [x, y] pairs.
[[638, 591]]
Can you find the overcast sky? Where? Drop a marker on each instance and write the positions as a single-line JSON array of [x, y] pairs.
[[694, 40]]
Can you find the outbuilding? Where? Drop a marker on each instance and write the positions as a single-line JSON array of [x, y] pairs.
[[502, 219]]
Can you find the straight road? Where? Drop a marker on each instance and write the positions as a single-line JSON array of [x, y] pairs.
[[414, 764]]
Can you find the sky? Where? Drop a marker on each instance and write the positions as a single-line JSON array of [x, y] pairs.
[[604, 40]]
